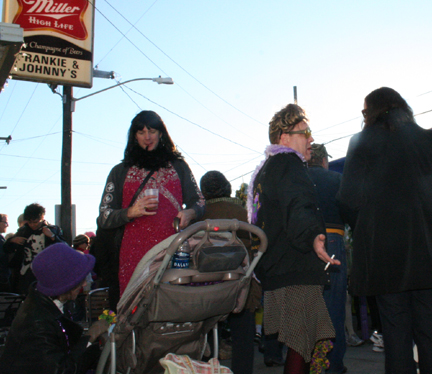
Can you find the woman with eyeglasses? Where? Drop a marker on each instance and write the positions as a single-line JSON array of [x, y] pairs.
[[387, 180], [282, 201]]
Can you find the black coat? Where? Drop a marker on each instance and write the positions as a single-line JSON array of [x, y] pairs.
[[21, 255], [42, 340], [286, 208], [327, 184], [387, 180]]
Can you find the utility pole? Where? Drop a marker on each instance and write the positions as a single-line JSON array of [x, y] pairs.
[[66, 163], [66, 166], [295, 95]]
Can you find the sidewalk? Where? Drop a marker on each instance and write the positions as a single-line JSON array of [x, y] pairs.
[[358, 360]]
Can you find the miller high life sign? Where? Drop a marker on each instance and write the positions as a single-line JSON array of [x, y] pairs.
[[58, 37]]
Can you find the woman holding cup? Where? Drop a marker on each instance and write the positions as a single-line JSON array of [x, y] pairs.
[[146, 219]]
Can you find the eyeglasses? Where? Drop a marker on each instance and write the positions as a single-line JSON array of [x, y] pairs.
[[364, 113], [307, 133], [6, 223]]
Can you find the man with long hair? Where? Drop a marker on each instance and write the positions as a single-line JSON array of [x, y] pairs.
[[387, 180]]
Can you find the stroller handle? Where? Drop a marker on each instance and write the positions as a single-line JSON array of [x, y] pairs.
[[213, 225], [216, 225]]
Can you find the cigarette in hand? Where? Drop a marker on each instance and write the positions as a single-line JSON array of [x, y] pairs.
[[328, 263]]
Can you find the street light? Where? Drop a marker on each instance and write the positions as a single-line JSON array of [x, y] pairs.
[[158, 80], [68, 108]]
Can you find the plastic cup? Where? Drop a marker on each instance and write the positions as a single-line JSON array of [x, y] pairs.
[[150, 192]]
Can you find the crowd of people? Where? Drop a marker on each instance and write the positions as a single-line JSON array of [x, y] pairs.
[[304, 208]]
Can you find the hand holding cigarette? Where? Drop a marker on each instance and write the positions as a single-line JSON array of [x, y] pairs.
[[328, 263]]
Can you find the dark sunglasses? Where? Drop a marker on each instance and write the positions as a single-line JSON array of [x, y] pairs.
[[307, 133], [6, 223]]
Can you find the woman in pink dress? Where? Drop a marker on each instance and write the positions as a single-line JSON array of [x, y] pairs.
[[141, 226]]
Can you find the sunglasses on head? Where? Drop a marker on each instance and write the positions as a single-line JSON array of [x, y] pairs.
[[307, 133]]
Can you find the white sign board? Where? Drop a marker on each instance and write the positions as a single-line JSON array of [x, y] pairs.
[[58, 39]]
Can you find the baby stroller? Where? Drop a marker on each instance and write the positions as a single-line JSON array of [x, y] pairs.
[[168, 310]]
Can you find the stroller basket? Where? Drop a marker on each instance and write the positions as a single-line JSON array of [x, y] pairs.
[[166, 310]]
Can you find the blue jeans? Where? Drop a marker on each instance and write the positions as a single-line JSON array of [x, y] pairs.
[[335, 298]]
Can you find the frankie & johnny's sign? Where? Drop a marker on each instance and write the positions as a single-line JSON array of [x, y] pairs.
[[58, 37]]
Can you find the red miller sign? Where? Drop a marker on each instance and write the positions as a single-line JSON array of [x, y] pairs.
[[50, 15], [54, 30]]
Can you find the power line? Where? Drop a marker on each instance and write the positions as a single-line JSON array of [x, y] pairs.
[[241, 176], [28, 191], [130, 41], [130, 97], [342, 137], [184, 90], [418, 114], [19, 170], [338, 124], [100, 140], [244, 163], [181, 67], [192, 158], [7, 103], [127, 32], [38, 136], [193, 123], [24, 109], [55, 160]]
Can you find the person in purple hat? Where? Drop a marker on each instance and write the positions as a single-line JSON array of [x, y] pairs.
[[42, 338]]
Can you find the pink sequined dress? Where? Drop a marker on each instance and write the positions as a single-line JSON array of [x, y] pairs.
[[145, 232]]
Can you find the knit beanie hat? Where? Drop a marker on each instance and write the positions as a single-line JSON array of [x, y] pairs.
[[80, 239], [60, 268], [214, 185]]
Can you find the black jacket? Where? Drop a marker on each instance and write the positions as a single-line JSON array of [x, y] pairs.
[[21, 255], [327, 184], [387, 180], [43, 341], [285, 207]]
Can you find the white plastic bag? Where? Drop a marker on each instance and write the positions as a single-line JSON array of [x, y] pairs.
[[182, 364]]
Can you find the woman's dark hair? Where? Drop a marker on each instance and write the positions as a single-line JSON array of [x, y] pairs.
[[214, 185], [33, 212], [166, 151], [380, 102]]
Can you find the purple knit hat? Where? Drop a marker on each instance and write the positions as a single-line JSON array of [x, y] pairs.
[[60, 268]]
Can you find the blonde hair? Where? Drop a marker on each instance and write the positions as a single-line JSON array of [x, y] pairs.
[[285, 120]]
